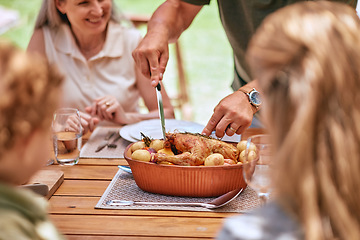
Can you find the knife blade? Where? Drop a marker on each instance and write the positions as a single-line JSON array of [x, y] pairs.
[[101, 146], [161, 109]]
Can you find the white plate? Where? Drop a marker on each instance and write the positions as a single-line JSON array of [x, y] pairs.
[[125, 134], [152, 128]]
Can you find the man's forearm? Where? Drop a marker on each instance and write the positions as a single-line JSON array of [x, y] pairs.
[[250, 85], [172, 18]]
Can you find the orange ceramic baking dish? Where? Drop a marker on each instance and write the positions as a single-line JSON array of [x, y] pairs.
[[189, 181]]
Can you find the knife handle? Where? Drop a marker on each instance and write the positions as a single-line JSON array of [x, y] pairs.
[[109, 135], [158, 87]]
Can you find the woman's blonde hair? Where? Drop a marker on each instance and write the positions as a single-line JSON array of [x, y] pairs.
[[29, 93], [307, 59], [51, 16]]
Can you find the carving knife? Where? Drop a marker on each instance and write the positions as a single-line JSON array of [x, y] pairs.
[[161, 109]]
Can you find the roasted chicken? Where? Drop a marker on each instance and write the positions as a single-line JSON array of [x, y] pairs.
[[194, 148]]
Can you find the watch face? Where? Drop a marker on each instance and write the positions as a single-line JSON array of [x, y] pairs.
[[255, 98]]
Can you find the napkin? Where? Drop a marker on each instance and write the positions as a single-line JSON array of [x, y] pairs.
[[97, 138]]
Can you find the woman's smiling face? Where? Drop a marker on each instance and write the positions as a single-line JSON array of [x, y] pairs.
[[86, 16]]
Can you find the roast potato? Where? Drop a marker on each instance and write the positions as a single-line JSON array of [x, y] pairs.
[[242, 146], [157, 144], [214, 159], [141, 155], [251, 156], [137, 146]]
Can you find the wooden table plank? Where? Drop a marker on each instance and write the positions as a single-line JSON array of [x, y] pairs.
[[138, 225], [85, 205], [102, 237], [102, 161], [91, 188], [87, 172]]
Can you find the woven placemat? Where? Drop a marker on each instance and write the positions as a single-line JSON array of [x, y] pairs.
[[123, 187], [97, 138]]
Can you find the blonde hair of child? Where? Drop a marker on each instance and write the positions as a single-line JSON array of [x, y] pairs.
[[307, 59], [29, 92]]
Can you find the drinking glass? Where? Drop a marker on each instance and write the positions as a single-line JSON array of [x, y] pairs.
[[258, 164], [67, 136]]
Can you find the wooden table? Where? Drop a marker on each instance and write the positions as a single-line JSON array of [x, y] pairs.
[[72, 208]]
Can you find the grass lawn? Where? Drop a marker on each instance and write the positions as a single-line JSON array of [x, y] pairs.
[[206, 52]]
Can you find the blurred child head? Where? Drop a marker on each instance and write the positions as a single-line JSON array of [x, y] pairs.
[[29, 93], [307, 59]]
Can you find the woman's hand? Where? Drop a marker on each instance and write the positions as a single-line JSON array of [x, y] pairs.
[[108, 108], [88, 123]]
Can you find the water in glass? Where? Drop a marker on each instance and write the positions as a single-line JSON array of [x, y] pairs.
[[257, 165], [67, 133]]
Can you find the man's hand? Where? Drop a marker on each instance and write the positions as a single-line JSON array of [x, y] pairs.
[[165, 26], [232, 115], [152, 55]]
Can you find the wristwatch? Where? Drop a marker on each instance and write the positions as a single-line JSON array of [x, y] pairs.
[[254, 97]]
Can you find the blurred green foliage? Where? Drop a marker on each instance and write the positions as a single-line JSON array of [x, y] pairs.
[[28, 10]]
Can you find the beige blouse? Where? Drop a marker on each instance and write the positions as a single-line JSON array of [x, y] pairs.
[[110, 72]]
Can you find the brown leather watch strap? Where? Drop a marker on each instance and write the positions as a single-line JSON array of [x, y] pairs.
[[255, 108]]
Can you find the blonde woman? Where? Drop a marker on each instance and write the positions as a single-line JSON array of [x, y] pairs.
[[92, 47], [306, 58], [29, 94]]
